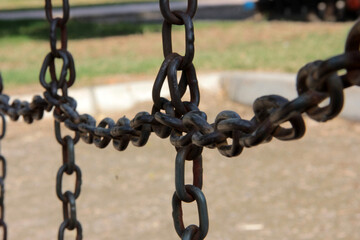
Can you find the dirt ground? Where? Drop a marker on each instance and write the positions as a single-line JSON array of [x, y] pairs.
[[308, 189]]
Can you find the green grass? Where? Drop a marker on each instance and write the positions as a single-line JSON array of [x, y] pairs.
[[105, 50], [38, 29]]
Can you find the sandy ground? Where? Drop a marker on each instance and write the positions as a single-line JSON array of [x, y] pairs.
[[308, 189]]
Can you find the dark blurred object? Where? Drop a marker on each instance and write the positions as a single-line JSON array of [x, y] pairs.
[[312, 10]]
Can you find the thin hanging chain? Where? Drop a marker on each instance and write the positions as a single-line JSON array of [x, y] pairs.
[[189, 193], [68, 198], [3, 225], [66, 80]]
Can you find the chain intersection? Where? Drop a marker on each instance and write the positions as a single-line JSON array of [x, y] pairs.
[[181, 121]]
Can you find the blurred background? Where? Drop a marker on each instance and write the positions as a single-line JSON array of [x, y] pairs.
[[308, 189]]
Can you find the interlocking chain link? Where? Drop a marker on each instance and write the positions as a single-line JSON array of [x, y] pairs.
[[189, 193], [177, 108], [180, 120], [63, 82], [68, 198], [68, 67], [3, 225]]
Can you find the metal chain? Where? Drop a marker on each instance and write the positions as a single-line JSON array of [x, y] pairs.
[[189, 193], [180, 120], [68, 198], [178, 108], [316, 82], [3, 225]]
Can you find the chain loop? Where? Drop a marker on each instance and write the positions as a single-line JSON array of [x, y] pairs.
[[103, 134], [181, 156], [65, 9], [68, 198], [3, 166], [58, 134], [56, 83], [143, 131], [263, 107], [123, 140], [59, 179], [69, 210], [53, 39], [3, 126], [190, 233], [199, 197], [64, 225], [352, 45], [159, 81], [189, 39], [331, 85], [171, 17]]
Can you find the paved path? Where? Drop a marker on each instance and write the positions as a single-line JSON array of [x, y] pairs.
[[115, 10]]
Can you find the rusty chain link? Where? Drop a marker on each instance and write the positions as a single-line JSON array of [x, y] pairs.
[[3, 225], [69, 167], [68, 198], [178, 109], [189, 193], [180, 120]]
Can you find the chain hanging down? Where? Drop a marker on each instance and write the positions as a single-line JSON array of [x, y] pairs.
[[3, 225], [177, 108], [69, 166], [181, 121], [68, 198]]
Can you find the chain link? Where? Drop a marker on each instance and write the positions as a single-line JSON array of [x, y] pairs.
[[64, 109], [189, 193], [68, 198], [3, 225], [179, 119]]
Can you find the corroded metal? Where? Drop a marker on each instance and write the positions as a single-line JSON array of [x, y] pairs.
[[179, 119]]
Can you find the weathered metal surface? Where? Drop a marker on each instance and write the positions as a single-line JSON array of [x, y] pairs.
[[181, 120], [3, 225]]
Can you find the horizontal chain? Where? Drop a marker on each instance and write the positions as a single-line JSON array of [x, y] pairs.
[[316, 82]]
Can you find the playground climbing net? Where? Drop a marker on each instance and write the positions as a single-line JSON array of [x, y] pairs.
[[180, 120]]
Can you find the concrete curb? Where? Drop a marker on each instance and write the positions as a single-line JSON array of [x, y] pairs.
[[121, 96], [245, 87], [242, 87]]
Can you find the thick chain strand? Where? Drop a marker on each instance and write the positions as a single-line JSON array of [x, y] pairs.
[[316, 82], [178, 109]]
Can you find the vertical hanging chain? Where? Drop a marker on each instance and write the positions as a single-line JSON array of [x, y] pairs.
[[189, 193], [173, 63], [2, 180], [63, 82], [68, 67], [68, 198]]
